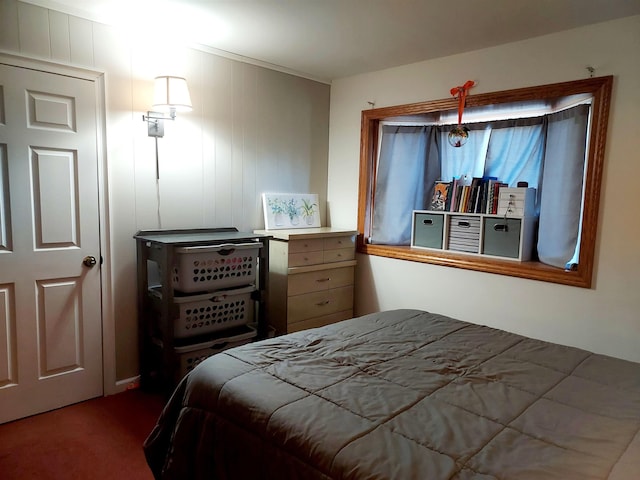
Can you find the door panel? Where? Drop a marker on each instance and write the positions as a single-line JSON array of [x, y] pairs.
[[8, 360], [56, 210], [50, 307], [60, 342], [51, 112]]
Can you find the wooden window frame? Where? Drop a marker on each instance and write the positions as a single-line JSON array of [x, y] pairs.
[[599, 87]]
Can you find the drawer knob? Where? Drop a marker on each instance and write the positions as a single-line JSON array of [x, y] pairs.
[[501, 227], [463, 223], [427, 221], [326, 279], [324, 302]]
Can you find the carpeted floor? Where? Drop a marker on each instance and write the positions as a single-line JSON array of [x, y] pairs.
[[97, 439]]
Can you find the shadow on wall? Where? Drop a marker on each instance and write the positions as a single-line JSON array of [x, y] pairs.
[[366, 300]]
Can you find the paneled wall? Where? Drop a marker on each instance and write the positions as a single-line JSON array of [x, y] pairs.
[[605, 318], [252, 130]]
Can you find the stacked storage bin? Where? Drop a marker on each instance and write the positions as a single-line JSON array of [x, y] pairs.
[[199, 292], [214, 287]]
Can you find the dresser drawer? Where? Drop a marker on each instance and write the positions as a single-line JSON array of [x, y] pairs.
[[317, 304], [320, 321], [339, 255], [320, 280], [311, 277], [306, 245], [334, 243], [305, 258]]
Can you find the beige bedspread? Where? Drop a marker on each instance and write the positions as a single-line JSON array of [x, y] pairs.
[[402, 394]]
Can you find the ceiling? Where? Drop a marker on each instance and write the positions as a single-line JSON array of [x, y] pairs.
[[330, 39]]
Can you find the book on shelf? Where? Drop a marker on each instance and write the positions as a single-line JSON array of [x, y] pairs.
[[440, 195], [478, 196], [467, 198], [453, 195], [496, 193]]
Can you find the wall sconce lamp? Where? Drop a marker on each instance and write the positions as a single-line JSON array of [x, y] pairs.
[[170, 95]]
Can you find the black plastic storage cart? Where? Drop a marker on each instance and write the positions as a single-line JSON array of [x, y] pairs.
[[200, 291]]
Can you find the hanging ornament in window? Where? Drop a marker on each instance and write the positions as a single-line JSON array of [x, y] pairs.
[[459, 134]]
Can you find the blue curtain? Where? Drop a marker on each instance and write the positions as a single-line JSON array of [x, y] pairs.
[[408, 165], [467, 160], [515, 153], [561, 194], [546, 152]]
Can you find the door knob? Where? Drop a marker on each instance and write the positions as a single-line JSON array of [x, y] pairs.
[[89, 261]]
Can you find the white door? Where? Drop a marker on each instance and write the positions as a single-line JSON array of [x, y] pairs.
[[50, 311]]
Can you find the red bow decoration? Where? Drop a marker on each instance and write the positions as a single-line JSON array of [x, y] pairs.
[[461, 93]]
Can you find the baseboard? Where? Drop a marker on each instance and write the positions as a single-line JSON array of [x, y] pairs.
[[127, 384]]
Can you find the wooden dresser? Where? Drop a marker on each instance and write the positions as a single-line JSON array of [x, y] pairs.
[[311, 277]]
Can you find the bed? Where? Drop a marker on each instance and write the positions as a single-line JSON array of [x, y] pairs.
[[402, 394]]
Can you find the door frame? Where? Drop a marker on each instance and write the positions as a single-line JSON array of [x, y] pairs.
[[109, 381]]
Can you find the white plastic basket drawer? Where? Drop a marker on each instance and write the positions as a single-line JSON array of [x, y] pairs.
[[206, 313], [207, 268], [191, 355]]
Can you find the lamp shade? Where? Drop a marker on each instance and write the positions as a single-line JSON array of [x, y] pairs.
[[171, 93]]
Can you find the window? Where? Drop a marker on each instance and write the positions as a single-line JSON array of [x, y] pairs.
[[416, 128]]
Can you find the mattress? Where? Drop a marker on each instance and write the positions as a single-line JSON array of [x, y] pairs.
[[402, 394]]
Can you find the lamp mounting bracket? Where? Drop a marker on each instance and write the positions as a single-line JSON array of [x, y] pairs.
[[155, 123]]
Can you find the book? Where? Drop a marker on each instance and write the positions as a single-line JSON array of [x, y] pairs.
[[464, 199], [489, 202], [440, 195], [496, 190], [453, 195]]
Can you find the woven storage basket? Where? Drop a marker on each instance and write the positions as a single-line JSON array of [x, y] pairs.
[[207, 313], [192, 355], [207, 268]]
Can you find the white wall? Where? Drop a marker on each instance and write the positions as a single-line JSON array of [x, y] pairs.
[[251, 130], [604, 319]]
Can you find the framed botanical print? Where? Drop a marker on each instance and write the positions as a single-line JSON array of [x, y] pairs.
[[290, 210]]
